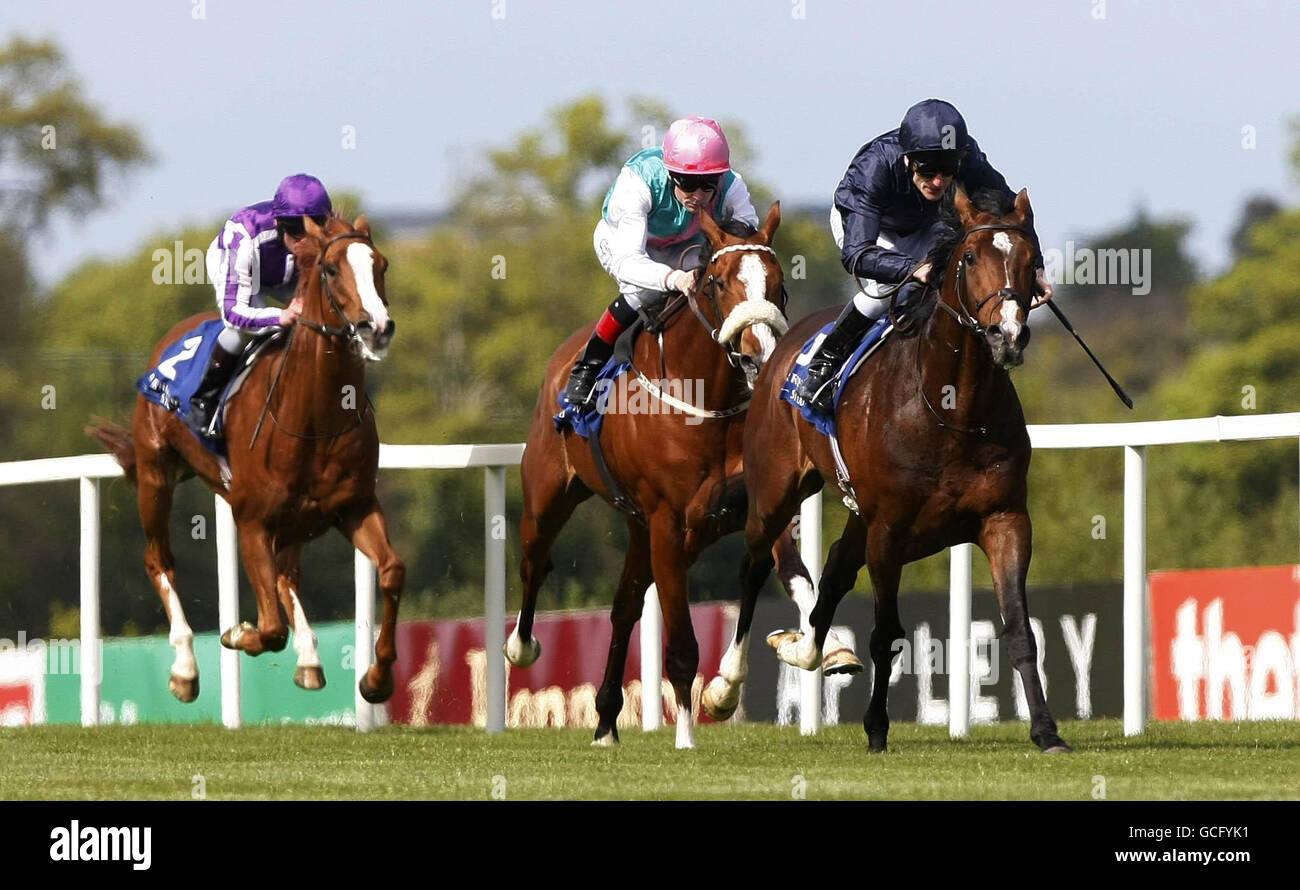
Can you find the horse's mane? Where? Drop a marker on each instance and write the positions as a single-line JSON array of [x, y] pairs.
[[984, 200]]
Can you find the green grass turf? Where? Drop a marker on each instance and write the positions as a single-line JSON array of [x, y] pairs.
[[1196, 761]]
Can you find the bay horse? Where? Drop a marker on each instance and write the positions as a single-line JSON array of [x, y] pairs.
[[924, 477], [312, 468], [680, 472]]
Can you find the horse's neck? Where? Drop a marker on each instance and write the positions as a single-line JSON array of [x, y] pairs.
[[322, 368], [952, 355], [690, 354]]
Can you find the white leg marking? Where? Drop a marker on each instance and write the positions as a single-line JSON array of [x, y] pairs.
[[519, 653], [181, 636], [801, 591], [724, 689], [685, 727], [304, 638]]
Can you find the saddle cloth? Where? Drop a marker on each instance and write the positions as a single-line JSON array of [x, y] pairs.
[[173, 381], [825, 423]]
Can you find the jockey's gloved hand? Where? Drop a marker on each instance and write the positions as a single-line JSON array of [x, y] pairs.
[[1042, 288], [683, 281]]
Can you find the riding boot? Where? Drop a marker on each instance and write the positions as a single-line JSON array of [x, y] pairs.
[[581, 390], [826, 361], [204, 400]]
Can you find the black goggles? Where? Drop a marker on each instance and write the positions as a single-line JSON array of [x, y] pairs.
[[931, 167], [689, 183]]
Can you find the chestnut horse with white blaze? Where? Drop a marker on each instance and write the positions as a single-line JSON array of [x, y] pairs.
[[679, 471], [312, 468], [926, 472]]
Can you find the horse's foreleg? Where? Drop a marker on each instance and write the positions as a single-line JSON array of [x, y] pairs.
[[722, 696], [670, 562], [155, 501], [885, 568], [258, 552], [368, 532], [310, 674], [622, 617], [837, 657], [1006, 539]]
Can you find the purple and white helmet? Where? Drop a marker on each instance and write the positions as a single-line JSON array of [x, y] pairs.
[[301, 195]]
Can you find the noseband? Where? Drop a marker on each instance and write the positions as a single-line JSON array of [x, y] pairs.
[[964, 317], [348, 330], [711, 287]]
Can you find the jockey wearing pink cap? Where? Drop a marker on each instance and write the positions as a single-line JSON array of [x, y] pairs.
[[647, 223]]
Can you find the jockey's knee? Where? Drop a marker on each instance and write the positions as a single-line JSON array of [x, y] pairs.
[[233, 339], [645, 300]]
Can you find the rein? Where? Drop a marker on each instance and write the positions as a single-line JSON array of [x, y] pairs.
[[347, 331], [965, 319], [711, 287]]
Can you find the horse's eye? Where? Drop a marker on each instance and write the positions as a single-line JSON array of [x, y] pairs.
[[970, 258], [331, 270]]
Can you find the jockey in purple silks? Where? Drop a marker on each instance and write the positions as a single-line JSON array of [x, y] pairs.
[[248, 254], [647, 223]]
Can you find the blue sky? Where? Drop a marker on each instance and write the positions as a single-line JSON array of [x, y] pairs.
[[1095, 115]]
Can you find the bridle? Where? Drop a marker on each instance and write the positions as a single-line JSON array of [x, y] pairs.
[[964, 317], [347, 330], [712, 287]]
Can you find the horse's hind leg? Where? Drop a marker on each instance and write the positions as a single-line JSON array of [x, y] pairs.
[[156, 483], [369, 533], [837, 657], [548, 503], [622, 617], [309, 674], [1005, 538]]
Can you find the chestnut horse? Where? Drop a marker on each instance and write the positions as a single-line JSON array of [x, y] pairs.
[[680, 472], [934, 440], [311, 468]]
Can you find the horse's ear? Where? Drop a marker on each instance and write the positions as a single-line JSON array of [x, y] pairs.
[[1024, 212], [773, 220], [314, 231], [710, 228], [362, 225], [965, 209]]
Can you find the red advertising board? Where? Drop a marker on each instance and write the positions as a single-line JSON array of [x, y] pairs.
[[442, 669], [1225, 644]]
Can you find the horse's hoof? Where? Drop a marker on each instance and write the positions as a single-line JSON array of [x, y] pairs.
[[716, 710], [230, 639], [309, 678], [522, 653], [878, 742], [375, 695], [608, 740], [795, 649], [1058, 746], [183, 689], [841, 661]]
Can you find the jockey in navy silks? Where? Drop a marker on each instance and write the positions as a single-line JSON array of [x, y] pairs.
[[248, 254], [886, 218], [647, 222]]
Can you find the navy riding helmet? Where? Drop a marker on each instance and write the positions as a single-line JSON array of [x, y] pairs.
[[934, 130]]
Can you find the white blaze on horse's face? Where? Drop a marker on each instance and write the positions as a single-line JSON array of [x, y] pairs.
[[754, 276], [361, 258]]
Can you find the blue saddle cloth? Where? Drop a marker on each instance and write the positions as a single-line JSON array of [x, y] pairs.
[[587, 425], [178, 374], [825, 423]]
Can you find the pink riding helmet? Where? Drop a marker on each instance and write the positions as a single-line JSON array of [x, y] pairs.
[[696, 145]]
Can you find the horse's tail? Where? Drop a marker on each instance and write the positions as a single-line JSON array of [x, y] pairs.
[[117, 440]]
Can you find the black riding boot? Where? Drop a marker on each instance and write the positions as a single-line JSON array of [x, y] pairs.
[[204, 400], [581, 391], [828, 358]]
